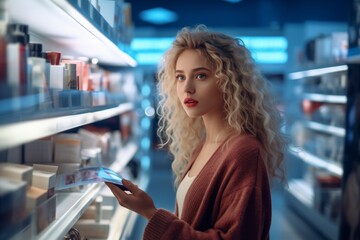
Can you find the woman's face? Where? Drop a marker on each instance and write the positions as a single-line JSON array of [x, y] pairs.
[[196, 85]]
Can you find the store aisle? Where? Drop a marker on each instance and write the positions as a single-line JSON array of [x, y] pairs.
[[285, 224]]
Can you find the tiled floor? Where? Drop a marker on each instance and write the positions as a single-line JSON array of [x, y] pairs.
[[286, 225]]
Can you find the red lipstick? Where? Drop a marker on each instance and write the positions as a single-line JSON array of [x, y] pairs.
[[189, 102]]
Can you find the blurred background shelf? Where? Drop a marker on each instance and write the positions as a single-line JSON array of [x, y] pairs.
[[325, 98], [337, 131], [300, 196], [316, 161]]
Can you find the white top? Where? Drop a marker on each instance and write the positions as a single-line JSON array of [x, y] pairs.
[[182, 190]]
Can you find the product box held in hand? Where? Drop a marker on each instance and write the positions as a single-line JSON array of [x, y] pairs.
[[87, 176]]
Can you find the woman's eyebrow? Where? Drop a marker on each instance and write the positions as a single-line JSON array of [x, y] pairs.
[[194, 70]]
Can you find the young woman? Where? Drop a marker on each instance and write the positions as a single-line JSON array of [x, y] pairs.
[[223, 130]]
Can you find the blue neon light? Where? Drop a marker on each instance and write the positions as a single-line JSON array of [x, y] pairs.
[[264, 49]]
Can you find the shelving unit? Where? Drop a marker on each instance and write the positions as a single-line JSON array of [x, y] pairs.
[[304, 191], [70, 206], [65, 26]]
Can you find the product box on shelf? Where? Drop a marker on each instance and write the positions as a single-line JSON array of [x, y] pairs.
[[44, 214], [14, 155], [17, 172], [35, 197], [67, 148], [44, 177], [92, 229], [39, 151], [95, 137], [13, 214], [107, 10], [327, 196]]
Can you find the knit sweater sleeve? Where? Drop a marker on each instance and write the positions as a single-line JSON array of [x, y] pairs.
[[240, 218]]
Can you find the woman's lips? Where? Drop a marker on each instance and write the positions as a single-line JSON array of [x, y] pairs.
[[189, 102]]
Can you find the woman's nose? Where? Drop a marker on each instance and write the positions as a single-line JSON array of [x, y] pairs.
[[189, 88]]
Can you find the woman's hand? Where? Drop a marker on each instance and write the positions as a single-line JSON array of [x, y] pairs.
[[137, 200]]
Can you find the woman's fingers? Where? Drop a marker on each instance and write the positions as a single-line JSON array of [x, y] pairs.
[[137, 200], [118, 193], [132, 187]]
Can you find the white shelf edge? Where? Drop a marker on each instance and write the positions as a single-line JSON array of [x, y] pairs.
[[64, 27], [317, 72], [338, 131], [316, 161], [326, 98], [76, 203], [302, 191], [14, 134]]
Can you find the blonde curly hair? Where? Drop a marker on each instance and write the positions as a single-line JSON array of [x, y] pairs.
[[249, 105]]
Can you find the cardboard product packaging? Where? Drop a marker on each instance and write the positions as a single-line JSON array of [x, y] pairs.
[[35, 197], [14, 155], [92, 229], [39, 151], [17, 172], [44, 177], [67, 148], [12, 201], [45, 214]]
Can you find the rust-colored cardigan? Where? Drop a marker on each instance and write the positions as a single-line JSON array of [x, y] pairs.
[[229, 199]]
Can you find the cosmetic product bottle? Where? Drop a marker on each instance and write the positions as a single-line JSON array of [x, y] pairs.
[[3, 62], [37, 65], [56, 70], [3, 26], [57, 75], [16, 56], [71, 79], [70, 85], [47, 68], [16, 63]]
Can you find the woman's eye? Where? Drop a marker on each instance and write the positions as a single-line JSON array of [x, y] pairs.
[[180, 77], [201, 76]]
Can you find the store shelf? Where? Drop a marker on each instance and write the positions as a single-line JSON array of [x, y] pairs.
[[337, 131], [302, 191], [317, 72], [13, 134], [65, 29], [316, 161], [298, 196], [337, 99], [70, 206]]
